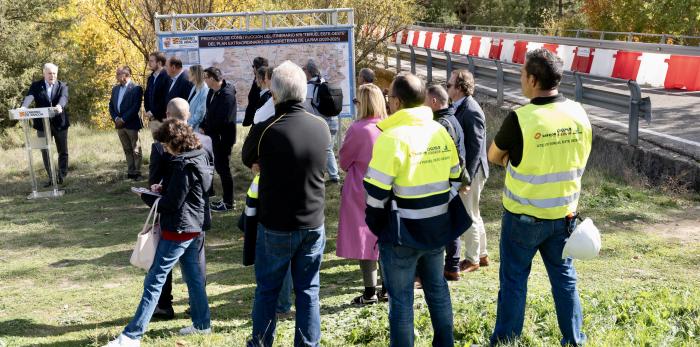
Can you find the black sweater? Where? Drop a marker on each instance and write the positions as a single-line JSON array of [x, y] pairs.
[[292, 158]]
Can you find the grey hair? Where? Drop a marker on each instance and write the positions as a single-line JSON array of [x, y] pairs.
[[367, 75], [312, 68], [50, 66], [288, 83], [179, 109], [439, 93]]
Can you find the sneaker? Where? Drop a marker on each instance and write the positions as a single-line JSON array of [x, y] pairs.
[[362, 301], [164, 313], [123, 341], [221, 206], [191, 330]]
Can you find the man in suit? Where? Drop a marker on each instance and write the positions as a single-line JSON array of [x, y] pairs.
[[50, 92], [471, 117], [180, 85], [254, 94], [124, 106], [157, 86]]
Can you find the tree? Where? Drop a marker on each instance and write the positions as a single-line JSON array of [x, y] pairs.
[[26, 29]]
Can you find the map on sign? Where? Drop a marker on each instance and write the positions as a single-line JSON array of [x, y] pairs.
[[233, 53]]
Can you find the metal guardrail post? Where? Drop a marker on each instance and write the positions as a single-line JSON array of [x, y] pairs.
[[639, 108], [499, 83], [413, 60], [398, 59], [449, 64], [471, 67], [429, 65], [578, 89]]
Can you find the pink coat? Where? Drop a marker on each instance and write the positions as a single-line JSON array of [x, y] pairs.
[[355, 240]]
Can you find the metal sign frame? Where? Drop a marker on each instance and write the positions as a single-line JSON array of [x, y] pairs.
[[263, 22], [36, 114]]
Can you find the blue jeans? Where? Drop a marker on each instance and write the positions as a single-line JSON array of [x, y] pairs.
[[521, 237], [284, 301], [399, 268], [274, 252], [332, 165], [167, 254]]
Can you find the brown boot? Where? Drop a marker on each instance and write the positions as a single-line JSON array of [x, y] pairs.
[[467, 266], [484, 261], [452, 276]]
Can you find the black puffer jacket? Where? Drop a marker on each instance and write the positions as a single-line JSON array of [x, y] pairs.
[[182, 206]]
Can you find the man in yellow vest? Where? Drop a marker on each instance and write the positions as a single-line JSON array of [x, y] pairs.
[[411, 182], [544, 146]]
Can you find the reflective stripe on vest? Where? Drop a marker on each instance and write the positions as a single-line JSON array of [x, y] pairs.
[[556, 145], [253, 189]]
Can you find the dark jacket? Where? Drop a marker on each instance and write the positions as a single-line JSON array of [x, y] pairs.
[[59, 96], [221, 112], [292, 158], [159, 169], [471, 117], [447, 119], [182, 207], [253, 104], [130, 106], [154, 100], [181, 88]]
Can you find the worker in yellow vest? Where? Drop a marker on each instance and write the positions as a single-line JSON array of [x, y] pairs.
[[413, 207], [544, 147]]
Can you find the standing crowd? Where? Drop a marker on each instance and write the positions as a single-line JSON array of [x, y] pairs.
[[415, 161]]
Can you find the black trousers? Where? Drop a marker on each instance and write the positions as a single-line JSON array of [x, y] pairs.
[[60, 137], [452, 251], [166, 295], [223, 145]]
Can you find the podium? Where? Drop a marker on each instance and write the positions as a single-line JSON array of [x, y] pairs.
[[24, 115]]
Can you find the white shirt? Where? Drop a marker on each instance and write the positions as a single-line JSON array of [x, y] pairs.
[[265, 111], [175, 79], [49, 89], [310, 87]]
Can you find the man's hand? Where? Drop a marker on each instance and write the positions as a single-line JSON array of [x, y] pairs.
[[156, 188], [464, 190], [58, 109], [149, 115], [255, 168]]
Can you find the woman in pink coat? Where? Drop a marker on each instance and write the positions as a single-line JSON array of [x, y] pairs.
[[355, 240]]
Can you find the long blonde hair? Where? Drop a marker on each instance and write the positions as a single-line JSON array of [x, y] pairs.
[[371, 102], [197, 73]]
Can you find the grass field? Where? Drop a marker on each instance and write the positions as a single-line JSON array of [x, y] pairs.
[[65, 278]]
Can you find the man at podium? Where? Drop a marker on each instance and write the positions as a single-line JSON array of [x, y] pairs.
[[50, 92]]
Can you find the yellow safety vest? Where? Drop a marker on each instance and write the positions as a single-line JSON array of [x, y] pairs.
[[415, 165], [556, 144]]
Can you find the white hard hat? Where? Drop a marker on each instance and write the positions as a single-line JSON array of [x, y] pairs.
[[584, 243]]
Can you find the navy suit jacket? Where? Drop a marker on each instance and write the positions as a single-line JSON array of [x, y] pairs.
[[130, 106], [154, 100], [471, 118], [181, 88], [41, 99]]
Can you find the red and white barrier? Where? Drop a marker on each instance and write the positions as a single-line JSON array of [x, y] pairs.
[[654, 69]]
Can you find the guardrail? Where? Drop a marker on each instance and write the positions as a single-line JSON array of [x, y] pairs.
[[629, 36], [575, 84]]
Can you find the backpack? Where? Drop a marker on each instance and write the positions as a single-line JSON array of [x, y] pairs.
[[328, 99]]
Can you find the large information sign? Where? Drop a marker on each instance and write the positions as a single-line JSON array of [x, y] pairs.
[[233, 53]]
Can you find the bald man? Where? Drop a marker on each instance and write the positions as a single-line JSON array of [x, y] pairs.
[[159, 173]]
